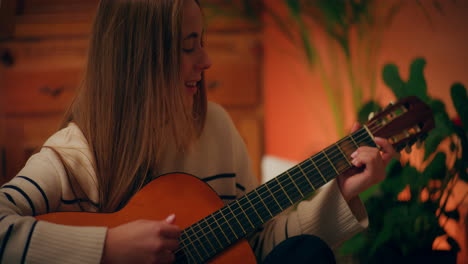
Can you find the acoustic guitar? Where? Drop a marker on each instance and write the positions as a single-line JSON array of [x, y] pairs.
[[214, 232]]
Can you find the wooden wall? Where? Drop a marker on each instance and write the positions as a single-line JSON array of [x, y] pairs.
[[43, 45]]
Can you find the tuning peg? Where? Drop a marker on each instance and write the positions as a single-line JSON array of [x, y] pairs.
[[371, 115], [408, 149], [390, 104]]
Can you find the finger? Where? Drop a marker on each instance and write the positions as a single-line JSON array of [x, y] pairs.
[[388, 152], [170, 219], [364, 156], [169, 244], [355, 127], [169, 231]]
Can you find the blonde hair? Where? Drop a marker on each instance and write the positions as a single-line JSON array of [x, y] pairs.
[[131, 100]]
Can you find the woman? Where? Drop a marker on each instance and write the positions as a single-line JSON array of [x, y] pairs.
[[142, 112]]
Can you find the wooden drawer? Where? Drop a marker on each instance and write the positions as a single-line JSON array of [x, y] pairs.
[[234, 77], [44, 54], [39, 92]]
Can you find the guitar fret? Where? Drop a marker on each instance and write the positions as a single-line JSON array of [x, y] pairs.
[[248, 219], [352, 139], [295, 184], [279, 184], [268, 210], [220, 228], [186, 250], [193, 245], [205, 235], [235, 217], [344, 155], [279, 205], [253, 208], [199, 238], [318, 169], [212, 231], [305, 176], [369, 133], [333, 166], [210, 236], [227, 222]]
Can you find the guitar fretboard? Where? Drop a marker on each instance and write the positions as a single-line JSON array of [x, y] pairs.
[[212, 234]]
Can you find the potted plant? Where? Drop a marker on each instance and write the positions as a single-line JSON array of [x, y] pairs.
[[403, 229]]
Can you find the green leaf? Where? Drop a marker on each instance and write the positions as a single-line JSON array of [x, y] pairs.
[[294, 7], [460, 99], [395, 183], [417, 82], [461, 164], [392, 79], [393, 168], [335, 12], [412, 177], [443, 128], [353, 245], [436, 169], [365, 195]]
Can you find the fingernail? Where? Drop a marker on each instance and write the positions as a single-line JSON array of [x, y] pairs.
[[353, 155], [354, 162], [170, 218]]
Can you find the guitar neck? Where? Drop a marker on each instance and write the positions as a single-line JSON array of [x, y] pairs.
[[224, 227]]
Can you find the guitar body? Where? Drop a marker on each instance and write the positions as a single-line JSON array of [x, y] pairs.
[[185, 195]]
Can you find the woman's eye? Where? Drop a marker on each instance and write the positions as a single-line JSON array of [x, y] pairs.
[[188, 46]]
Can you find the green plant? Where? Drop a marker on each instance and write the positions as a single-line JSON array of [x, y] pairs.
[[352, 31], [400, 228]]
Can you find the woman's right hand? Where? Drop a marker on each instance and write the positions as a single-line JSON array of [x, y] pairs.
[[142, 241]]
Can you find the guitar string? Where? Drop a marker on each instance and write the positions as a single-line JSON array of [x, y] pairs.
[[260, 218], [266, 209], [286, 197], [214, 249], [331, 157]]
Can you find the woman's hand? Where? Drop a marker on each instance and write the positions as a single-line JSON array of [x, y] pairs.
[[373, 163], [142, 241]]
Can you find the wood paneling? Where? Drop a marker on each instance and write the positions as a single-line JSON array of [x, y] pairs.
[[43, 60]]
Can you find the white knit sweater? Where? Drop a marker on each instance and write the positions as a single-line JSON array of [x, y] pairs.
[[219, 158]]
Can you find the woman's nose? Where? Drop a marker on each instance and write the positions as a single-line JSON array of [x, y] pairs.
[[204, 61]]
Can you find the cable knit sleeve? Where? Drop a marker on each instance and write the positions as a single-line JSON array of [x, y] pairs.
[[326, 214], [38, 189]]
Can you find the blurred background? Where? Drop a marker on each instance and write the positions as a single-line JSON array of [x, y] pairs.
[[294, 75]]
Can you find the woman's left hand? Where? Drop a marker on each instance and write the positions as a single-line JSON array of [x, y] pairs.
[[373, 162]]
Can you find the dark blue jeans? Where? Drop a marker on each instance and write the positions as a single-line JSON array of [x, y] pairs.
[[301, 250]]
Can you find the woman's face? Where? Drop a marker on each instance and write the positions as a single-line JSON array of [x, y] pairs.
[[194, 57]]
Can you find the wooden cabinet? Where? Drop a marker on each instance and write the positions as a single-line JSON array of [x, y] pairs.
[[42, 59]]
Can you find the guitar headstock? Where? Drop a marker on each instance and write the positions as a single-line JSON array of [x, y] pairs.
[[403, 123]]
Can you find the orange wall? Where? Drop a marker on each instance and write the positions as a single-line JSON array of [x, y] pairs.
[[298, 121]]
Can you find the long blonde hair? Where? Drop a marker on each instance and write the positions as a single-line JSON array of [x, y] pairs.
[[130, 100]]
